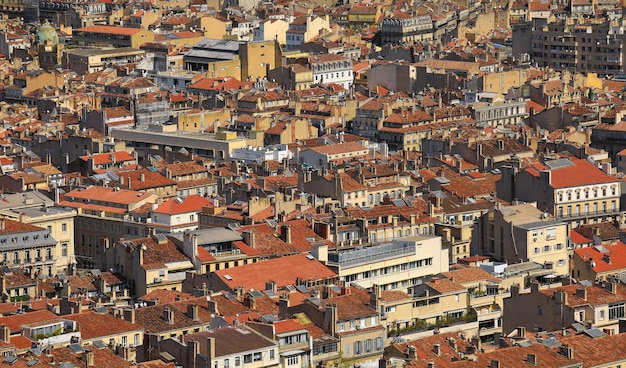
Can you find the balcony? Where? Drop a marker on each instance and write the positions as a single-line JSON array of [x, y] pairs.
[[574, 216]]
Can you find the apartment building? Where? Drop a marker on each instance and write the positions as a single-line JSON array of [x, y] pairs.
[[111, 36], [406, 27], [600, 262], [500, 113], [33, 247], [304, 28], [524, 233], [589, 305], [585, 45], [166, 320], [35, 209], [86, 61], [331, 69], [272, 29], [218, 145], [575, 191], [398, 265], [237, 346], [103, 217]]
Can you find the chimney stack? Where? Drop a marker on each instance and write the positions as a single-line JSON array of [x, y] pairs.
[[192, 311], [285, 233], [168, 315]]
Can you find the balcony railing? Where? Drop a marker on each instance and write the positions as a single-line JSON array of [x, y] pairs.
[[568, 216]]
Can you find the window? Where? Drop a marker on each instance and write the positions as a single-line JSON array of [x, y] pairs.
[[272, 354], [560, 262], [247, 358], [257, 357], [379, 343], [536, 250], [546, 248], [64, 249], [601, 315], [358, 346], [616, 311], [292, 360], [237, 361], [539, 310], [64, 227]]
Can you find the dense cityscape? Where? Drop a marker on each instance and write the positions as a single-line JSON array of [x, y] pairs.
[[312, 184]]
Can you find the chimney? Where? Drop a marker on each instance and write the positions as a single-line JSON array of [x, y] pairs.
[[89, 358], [567, 351], [129, 315], [271, 285], [142, 177], [210, 349], [330, 319], [437, 350], [532, 359], [1, 224], [192, 311], [581, 293], [250, 302], [5, 333], [285, 233], [283, 307], [248, 238], [193, 349], [168, 315]]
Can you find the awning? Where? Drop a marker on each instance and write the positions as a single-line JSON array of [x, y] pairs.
[[293, 352]]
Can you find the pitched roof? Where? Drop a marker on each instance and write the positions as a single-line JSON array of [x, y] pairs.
[[192, 203], [94, 325], [607, 258], [284, 271], [110, 30]]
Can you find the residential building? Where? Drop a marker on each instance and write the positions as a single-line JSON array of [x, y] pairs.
[[573, 190], [218, 248], [552, 309], [25, 245], [218, 145], [122, 335], [522, 232], [304, 28], [580, 46], [26, 82], [293, 77], [103, 217], [352, 317], [177, 319], [221, 347], [299, 269], [272, 29], [406, 27], [398, 265], [91, 60], [323, 156], [331, 69], [178, 214], [601, 262], [111, 36], [500, 113]]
